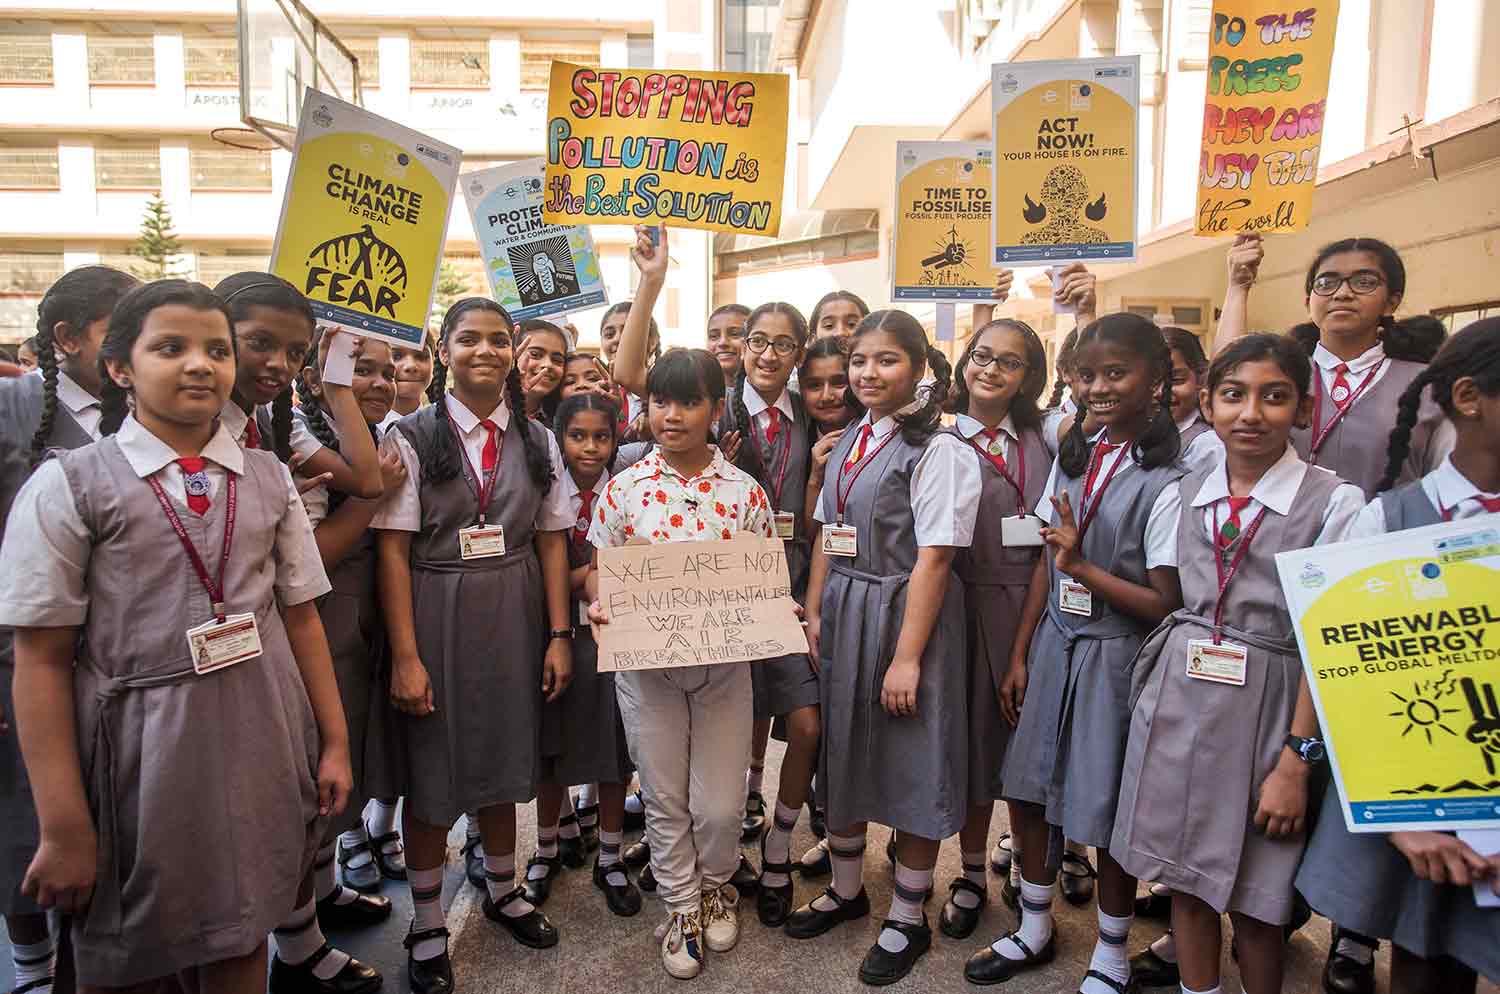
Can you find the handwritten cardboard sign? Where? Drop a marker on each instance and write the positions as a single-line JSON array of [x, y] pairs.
[[1269, 63], [696, 604]]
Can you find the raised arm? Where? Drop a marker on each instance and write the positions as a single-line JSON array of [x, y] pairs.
[[629, 369], [1244, 266]]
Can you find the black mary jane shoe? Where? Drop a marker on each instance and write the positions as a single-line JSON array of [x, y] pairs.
[[1076, 878], [634, 821], [817, 821], [957, 921], [988, 967], [1154, 905], [882, 967], [745, 879], [1149, 970], [623, 900], [570, 848], [354, 978], [637, 853], [531, 929], [1131, 986], [363, 911], [389, 869], [773, 904], [474, 861], [646, 880], [429, 976], [822, 866], [35, 985], [1345, 974], [537, 891], [590, 833], [808, 922], [754, 821]]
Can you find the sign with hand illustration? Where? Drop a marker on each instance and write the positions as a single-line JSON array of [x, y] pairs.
[[942, 228]]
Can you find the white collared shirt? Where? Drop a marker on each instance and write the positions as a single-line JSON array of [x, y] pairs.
[[302, 441], [47, 546], [1361, 364], [652, 501], [315, 500], [1160, 541], [83, 405], [575, 495], [402, 511], [1447, 489], [760, 411]]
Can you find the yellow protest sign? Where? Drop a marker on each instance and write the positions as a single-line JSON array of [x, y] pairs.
[[1400, 640], [942, 222], [1065, 162], [645, 146], [1268, 70], [696, 604], [364, 219]]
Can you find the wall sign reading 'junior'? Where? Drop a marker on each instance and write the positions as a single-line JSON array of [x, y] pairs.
[[637, 146], [364, 219]]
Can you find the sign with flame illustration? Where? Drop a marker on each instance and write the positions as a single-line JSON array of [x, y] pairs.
[[364, 220], [1400, 640], [942, 228]]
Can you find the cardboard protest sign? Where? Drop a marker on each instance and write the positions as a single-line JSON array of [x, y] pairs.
[[643, 146], [696, 604], [1268, 71], [942, 228], [364, 219], [536, 269], [1400, 640], [1065, 162]]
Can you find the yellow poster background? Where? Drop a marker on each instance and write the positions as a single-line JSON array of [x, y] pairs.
[[942, 222], [662, 169], [1263, 115]]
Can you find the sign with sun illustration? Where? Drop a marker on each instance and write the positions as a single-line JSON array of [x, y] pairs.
[[942, 222], [1400, 640], [364, 220], [1065, 160]]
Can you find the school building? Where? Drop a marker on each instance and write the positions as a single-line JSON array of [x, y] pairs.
[[1410, 152]]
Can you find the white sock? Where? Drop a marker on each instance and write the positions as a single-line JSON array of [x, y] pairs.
[[588, 797], [350, 839], [1357, 951], [33, 962], [427, 909], [1215, 989], [382, 817], [326, 882], [300, 937], [906, 905], [633, 803], [609, 858], [1109, 953], [500, 880], [847, 854], [546, 840], [1036, 920], [974, 872], [779, 842], [755, 776], [1166, 948]]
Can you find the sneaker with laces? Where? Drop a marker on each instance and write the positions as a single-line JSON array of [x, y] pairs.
[[721, 918], [681, 945]]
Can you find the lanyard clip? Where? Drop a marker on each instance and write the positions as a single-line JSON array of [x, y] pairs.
[[218, 609]]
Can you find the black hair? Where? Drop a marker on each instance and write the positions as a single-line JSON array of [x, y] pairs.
[[1306, 335], [653, 338], [739, 309], [1473, 352], [78, 299], [832, 347], [911, 338], [1261, 346], [1396, 337], [1023, 406], [240, 293], [534, 326], [442, 463], [749, 458], [1064, 363], [30, 343], [125, 324], [1184, 341], [1426, 334], [1160, 443], [572, 406], [829, 298], [686, 376]]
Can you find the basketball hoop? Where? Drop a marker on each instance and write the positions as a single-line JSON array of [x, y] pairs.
[[244, 138]]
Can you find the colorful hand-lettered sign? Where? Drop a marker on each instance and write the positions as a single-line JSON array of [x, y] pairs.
[[645, 146], [942, 229], [1268, 71]]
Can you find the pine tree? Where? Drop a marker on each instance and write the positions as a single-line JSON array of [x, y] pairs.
[[452, 284], [158, 246]]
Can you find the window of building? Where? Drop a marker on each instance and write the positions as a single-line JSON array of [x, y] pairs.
[[28, 167], [127, 167], [367, 51], [537, 56], [1192, 315], [129, 59], [223, 168], [748, 26], [211, 267], [640, 51], [210, 60], [1460, 317], [29, 272], [804, 252], [26, 55], [450, 63]]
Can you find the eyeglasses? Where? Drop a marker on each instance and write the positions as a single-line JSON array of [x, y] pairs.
[[1007, 362], [781, 346], [1327, 284]]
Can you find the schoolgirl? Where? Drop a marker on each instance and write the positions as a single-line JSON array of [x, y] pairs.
[[167, 706], [1109, 578], [472, 554], [1214, 793], [725, 334], [413, 377], [1200, 444], [584, 372], [611, 327], [26, 355], [688, 727], [541, 356], [894, 700], [1414, 887], [56, 409], [837, 314]]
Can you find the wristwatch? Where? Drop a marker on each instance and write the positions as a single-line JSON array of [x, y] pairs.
[[1308, 750], [559, 633]]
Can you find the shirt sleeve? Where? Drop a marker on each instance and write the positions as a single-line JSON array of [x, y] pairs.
[[556, 511], [609, 529], [1207, 448], [1044, 508], [1368, 523], [755, 517], [300, 576], [315, 503], [401, 511], [945, 488], [1161, 528], [1345, 506], [303, 442], [48, 545]]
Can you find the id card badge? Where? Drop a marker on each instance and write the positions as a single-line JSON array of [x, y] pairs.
[[481, 541], [1074, 598], [786, 524], [1021, 530], [1222, 663], [216, 645], [840, 540]]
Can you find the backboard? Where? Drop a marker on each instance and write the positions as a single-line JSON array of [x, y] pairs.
[[284, 48]]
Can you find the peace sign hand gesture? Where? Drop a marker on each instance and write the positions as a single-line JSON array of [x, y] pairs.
[[1063, 537]]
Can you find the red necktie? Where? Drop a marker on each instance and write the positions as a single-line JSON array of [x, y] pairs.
[[858, 452], [774, 428], [585, 515], [1230, 529], [491, 453], [252, 432], [1102, 449], [195, 484], [1491, 505], [1340, 391]]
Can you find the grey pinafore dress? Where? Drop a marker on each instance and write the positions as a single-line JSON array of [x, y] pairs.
[[20, 414], [202, 788], [995, 583], [1069, 748], [1356, 447], [1192, 431], [480, 630], [910, 773], [1364, 883], [1199, 751]]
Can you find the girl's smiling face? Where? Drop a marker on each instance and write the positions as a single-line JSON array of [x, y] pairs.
[[587, 444], [838, 317], [767, 370], [609, 334], [478, 352], [1116, 386], [1185, 388], [824, 382], [543, 355], [883, 376], [374, 385], [996, 369], [1254, 408], [726, 340], [585, 374], [272, 345], [413, 374]]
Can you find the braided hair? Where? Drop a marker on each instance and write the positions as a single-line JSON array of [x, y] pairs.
[[77, 299], [1064, 363], [1023, 410], [919, 425], [749, 458], [1473, 352], [1160, 443], [244, 291], [571, 407]]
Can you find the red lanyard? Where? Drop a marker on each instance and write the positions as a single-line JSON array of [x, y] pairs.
[[785, 449], [1320, 434], [484, 490], [1226, 573], [1089, 510], [215, 587], [840, 492], [1000, 465]]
